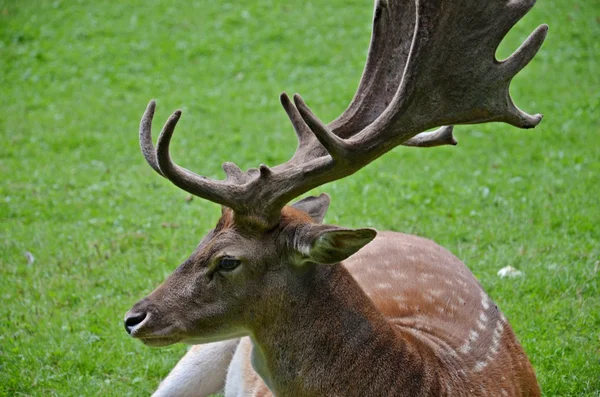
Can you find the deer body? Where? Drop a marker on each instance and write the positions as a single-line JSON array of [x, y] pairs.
[[332, 311], [403, 317]]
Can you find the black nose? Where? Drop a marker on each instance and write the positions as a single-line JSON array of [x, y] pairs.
[[133, 320]]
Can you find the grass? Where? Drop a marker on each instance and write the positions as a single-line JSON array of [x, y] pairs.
[[104, 230]]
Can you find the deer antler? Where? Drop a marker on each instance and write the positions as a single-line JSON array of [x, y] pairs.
[[430, 63]]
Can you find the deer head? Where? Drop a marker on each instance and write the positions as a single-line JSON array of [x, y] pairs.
[[239, 272], [430, 63]]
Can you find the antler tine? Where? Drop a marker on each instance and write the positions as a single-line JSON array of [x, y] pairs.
[[341, 149], [160, 160], [303, 132], [308, 146], [146, 138], [335, 146], [441, 136], [525, 53]]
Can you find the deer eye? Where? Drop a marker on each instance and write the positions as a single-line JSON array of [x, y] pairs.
[[228, 263]]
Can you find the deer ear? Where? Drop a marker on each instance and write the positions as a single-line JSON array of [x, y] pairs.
[[315, 206], [330, 244]]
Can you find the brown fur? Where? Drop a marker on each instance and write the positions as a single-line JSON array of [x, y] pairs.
[[398, 318]]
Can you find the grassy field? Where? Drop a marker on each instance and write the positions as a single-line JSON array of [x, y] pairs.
[[103, 229]]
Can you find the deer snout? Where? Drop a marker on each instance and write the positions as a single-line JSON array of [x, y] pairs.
[[139, 318], [134, 320], [152, 327]]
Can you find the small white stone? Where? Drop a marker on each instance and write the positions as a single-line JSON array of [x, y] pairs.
[[509, 271]]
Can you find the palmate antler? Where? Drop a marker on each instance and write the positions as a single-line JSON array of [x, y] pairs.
[[430, 63]]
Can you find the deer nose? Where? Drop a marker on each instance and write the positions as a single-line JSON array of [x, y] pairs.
[[133, 320]]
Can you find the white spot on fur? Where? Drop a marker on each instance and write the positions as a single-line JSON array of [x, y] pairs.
[[450, 306], [384, 286], [466, 347], [494, 348], [481, 325], [480, 365], [496, 338], [499, 328], [397, 275], [485, 301], [482, 320], [426, 276]]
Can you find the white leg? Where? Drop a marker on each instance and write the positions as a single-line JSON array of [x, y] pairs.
[[201, 372], [242, 380], [234, 385]]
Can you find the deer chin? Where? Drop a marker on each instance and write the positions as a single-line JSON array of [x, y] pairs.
[[159, 341], [214, 337], [162, 338]]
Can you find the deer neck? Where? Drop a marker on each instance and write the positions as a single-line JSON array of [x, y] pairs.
[[324, 336]]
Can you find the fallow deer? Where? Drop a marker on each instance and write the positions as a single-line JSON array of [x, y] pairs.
[[285, 305]]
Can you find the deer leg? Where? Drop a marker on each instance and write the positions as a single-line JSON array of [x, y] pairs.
[[242, 380], [201, 372]]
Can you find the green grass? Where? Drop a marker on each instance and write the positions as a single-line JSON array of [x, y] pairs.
[[75, 77]]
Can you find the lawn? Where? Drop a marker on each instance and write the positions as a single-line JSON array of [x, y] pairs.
[[102, 229]]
